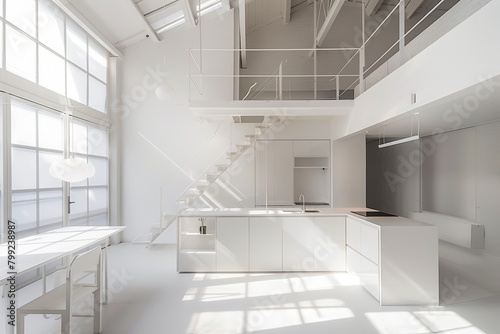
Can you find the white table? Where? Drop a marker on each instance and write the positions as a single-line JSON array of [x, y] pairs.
[[38, 250]]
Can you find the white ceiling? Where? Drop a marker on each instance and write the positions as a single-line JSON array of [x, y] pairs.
[[126, 22]]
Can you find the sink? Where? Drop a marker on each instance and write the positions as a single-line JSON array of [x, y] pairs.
[[291, 210], [300, 211]]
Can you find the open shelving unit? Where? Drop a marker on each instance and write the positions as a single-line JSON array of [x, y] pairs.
[[196, 249]]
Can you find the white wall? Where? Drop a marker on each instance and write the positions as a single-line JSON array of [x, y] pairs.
[[459, 172], [462, 58], [162, 142], [349, 172], [448, 182], [392, 178]]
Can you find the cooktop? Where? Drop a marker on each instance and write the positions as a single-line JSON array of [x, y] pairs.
[[373, 214]]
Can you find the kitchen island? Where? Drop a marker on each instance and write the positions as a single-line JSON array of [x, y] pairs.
[[395, 258]]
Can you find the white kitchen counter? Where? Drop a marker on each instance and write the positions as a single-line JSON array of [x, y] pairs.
[[396, 258], [324, 212]]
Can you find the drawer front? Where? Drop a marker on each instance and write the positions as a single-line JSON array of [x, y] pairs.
[[367, 271], [364, 239]]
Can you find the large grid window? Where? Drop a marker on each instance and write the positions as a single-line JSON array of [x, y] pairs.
[[90, 196], [36, 141], [46, 47]]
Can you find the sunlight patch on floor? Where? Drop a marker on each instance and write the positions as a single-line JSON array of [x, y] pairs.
[[446, 322], [421, 322]]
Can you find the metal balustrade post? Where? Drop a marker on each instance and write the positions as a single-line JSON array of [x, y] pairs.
[[401, 32]]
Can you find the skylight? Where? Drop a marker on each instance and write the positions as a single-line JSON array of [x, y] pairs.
[[175, 15]]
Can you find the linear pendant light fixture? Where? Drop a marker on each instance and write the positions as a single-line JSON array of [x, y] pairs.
[[399, 141], [412, 137]]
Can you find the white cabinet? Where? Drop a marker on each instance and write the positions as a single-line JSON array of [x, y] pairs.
[[363, 238], [366, 270], [196, 251], [232, 244], [274, 172], [298, 244], [266, 244], [311, 148], [329, 244], [397, 264]]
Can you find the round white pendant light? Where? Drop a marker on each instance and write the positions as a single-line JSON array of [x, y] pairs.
[[71, 170]]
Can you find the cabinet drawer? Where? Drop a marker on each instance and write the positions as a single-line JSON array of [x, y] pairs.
[[367, 271], [364, 239]]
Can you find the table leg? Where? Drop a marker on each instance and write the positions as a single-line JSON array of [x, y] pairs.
[[5, 304], [105, 272]]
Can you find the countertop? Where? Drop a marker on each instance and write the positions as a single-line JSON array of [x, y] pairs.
[[324, 212]]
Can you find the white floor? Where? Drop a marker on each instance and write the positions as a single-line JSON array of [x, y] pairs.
[[147, 295]]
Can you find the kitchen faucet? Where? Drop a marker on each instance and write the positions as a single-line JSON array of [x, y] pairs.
[[303, 202]]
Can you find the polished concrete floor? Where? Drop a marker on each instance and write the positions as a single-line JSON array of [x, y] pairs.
[[147, 295]]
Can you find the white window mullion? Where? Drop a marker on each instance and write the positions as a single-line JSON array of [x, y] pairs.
[[66, 154], [6, 170]]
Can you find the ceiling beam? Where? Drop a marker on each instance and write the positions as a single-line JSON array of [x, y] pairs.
[[287, 10], [330, 18], [243, 34], [412, 6], [83, 22], [372, 6], [148, 27], [188, 12]]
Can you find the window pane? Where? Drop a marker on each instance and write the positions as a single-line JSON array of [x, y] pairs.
[[1, 42], [78, 138], [21, 13], [76, 48], [23, 169], [77, 84], [24, 210], [101, 220], [51, 208], [79, 196], [97, 95], [50, 130], [100, 177], [98, 199], [98, 61], [51, 70], [23, 125], [45, 180], [98, 141], [1, 8], [51, 26], [79, 222], [20, 54]]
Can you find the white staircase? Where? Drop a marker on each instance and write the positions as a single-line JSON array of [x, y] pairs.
[[197, 188]]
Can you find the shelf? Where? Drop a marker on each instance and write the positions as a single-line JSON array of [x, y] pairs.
[[198, 234], [311, 167], [196, 251]]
